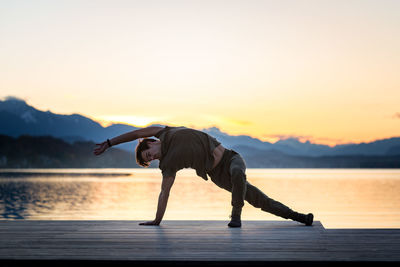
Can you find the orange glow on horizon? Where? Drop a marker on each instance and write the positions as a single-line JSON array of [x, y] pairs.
[[136, 121], [140, 122]]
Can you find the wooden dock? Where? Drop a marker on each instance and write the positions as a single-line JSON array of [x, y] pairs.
[[193, 241]]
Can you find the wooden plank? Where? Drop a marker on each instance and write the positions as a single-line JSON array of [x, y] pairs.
[[194, 241]]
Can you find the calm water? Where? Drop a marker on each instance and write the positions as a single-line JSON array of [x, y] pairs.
[[339, 198]]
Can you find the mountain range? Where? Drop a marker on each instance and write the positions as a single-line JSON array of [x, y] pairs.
[[17, 118]]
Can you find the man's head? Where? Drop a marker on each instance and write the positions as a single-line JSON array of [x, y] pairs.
[[147, 150]]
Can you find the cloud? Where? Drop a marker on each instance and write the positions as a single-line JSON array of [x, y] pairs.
[[240, 122], [396, 115]]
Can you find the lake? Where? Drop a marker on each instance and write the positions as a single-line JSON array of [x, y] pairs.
[[339, 198]]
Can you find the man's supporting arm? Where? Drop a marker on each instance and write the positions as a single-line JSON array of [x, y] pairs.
[[166, 185]]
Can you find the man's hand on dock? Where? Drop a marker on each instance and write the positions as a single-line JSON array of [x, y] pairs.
[[150, 223]]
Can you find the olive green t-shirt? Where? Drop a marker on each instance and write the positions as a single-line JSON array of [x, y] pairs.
[[183, 147]]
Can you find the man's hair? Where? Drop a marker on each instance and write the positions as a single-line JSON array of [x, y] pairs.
[[141, 146]]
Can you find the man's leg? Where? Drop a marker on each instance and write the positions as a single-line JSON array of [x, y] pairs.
[[237, 171], [259, 200], [235, 182]]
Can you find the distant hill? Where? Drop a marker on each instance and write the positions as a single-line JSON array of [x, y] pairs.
[[50, 152], [18, 118], [294, 147], [257, 158]]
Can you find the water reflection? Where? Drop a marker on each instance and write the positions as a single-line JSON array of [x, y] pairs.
[[13, 201], [27, 174], [338, 198], [22, 199]]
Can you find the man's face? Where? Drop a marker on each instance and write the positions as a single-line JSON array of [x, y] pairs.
[[150, 154]]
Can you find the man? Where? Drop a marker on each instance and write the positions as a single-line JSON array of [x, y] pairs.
[[181, 147]]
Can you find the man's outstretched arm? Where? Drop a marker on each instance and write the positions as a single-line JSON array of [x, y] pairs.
[[127, 137], [166, 185], [136, 134]]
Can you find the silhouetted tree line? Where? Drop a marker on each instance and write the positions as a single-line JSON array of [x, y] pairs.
[[276, 159], [49, 152]]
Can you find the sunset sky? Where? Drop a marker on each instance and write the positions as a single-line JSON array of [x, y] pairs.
[[324, 71]]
